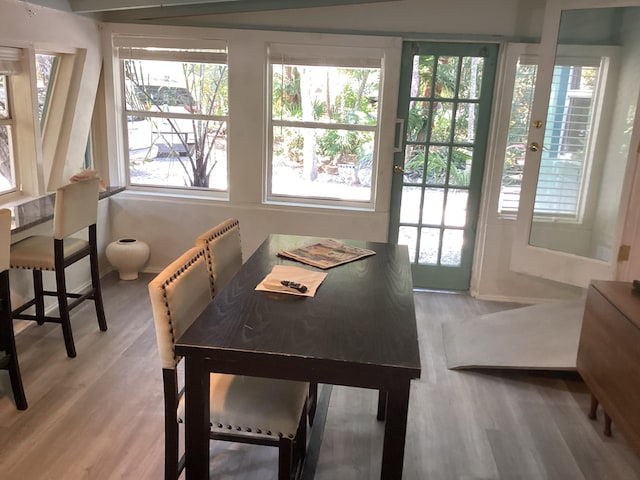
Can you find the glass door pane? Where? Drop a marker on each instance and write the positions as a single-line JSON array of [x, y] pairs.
[[445, 99]]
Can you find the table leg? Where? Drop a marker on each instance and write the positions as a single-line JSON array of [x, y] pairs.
[[382, 405], [593, 409], [196, 419], [395, 430], [607, 425]]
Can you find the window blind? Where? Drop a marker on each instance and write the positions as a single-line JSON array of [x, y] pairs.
[[10, 60], [567, 148], [354, 57], [184, 50], [566, 144]]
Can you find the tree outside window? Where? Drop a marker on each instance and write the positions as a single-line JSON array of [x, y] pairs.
[[176, 112]]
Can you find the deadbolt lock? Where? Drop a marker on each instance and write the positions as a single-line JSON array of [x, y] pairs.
[[534, 146]]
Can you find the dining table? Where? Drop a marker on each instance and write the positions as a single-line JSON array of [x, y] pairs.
[[358, 330]]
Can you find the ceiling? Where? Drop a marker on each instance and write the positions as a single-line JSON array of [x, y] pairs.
[[149, 10]]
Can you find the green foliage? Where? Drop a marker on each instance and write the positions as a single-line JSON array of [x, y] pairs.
[[286, 93], [335, 96], [437, 167], [340, 142]]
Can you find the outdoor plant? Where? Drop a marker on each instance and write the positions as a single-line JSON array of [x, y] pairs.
[[309, 94]]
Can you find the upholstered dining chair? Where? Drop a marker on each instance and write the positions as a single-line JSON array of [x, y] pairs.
[[76, 209], [223, 251], [243, 409], [9, 357]]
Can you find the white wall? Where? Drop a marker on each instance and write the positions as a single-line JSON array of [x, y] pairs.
[[461, 19]]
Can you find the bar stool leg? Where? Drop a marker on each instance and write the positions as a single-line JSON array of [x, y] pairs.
[[95, 281], [63, 306], [16, 381], [38, 295], [9, 344]]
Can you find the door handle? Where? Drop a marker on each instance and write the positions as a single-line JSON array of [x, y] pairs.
[[398, 169]]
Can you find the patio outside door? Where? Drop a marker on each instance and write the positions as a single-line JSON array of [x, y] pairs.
[[444, 107]]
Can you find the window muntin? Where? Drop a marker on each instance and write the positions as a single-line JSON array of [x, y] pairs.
[[567, 147], [176, 111], [46, 65], [323, 126]]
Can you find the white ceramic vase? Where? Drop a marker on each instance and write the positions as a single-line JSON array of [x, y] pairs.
[[127, 256]]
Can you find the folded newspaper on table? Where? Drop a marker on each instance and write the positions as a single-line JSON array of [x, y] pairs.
[[326, 253], [292, 280]]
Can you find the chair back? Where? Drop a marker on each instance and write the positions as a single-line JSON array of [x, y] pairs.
[[5, 238], [224, 252], [178, 295], [76, 207]]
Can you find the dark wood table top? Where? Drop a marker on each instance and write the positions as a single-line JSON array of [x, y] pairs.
[[622, 296], [359, 329]]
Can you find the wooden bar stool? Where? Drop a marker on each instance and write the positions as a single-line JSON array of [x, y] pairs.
[[9, 357], [76, 208]]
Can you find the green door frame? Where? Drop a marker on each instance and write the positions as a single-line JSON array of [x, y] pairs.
[[438, 276]]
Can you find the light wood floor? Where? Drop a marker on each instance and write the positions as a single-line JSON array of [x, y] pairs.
[[99, 416]]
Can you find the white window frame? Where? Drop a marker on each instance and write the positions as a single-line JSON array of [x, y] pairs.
[[8, 123], [334, 56], [601, 56], [10, 65], [168, 49]]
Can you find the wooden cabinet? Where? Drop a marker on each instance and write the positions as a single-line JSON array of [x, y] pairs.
[[609, 354]]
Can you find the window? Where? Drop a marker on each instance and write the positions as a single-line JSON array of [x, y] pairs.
[[7, 177], [323, 124], [567, 149], [45, 73], [175, 108], [9, 64]]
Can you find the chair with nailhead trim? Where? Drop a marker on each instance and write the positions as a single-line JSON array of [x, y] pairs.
[[8, 353], [223, 251], [243, 409]]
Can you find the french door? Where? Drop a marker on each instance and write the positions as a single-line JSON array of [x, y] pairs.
[[444, 109]]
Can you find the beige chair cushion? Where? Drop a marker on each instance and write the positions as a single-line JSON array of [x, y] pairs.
[[36, 252], [178, 295], [5, 238], [263, 406], [224, 251]]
